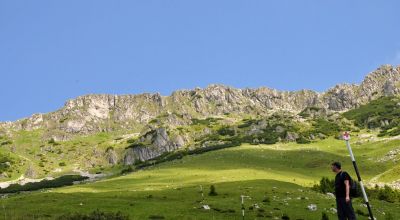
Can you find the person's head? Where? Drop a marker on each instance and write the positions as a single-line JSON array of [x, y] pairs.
[[336, 167]]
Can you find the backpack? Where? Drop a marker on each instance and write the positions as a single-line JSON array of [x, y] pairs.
[[353, 186]]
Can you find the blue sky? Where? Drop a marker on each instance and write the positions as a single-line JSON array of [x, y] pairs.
[[51, 51]]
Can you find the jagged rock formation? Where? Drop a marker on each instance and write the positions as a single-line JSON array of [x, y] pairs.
[[159, 143], [94, 113]]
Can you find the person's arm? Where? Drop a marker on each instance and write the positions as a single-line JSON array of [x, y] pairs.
[[347, 184]]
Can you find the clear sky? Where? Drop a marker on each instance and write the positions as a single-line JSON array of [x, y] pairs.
[[51, 51]]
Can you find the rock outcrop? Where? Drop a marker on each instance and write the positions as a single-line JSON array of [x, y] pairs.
[[159, 143]]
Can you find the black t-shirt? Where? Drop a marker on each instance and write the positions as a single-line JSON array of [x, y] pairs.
[[340, 187]]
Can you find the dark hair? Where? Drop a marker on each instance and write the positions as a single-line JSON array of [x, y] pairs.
[[337, 165]]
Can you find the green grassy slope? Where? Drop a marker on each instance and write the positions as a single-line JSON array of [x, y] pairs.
[[278, 174]]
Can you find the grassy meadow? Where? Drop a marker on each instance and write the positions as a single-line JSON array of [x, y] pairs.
[[276, 177]]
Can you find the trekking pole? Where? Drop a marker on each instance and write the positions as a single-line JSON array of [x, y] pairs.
[[346, 137]]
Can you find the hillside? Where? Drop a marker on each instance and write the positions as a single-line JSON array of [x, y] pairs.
[[101, 132], [276, 177]]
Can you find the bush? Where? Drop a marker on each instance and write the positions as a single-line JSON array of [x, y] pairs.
[[95, 215], [325, 185], [213, 191], [62, 164], [131, 141], [326, 127], [247, 123], [266, 200], [325, 216], [136, 145], [206, 122], [66, 180], [6, 142], [302, 140], [129, 169], [285, 217], [388, 194], [226, 131]]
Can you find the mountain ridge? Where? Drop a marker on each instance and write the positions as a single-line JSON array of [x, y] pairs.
[[105, 112]]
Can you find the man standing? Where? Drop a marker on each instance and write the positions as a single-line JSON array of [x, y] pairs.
[[345, 209]]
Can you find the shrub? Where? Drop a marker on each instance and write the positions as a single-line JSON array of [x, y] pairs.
[[285, 217], [136, 145], [6, 142], [131, 141], [326, 127], [247, 123], [62, 164], [226, 131], [213, 191], [206, 122], [129, 169], [302, 140], [66, 180], [266, 200], [388, 194], [325, 185], [325, 216]]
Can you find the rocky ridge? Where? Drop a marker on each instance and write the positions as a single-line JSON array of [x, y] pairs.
[[94, 113]]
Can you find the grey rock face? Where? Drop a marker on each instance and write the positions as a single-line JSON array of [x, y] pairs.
[[160, 144]]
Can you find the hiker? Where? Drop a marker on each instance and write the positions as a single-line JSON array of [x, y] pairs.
[[343, 183]]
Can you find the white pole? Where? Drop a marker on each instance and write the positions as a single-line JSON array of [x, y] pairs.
[[346, 137], [202, 194], [242, 198]]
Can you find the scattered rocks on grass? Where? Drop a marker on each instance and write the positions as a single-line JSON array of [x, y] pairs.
[[330, 195], [391, 156], [312, 207], [206, 207], [333, 210]]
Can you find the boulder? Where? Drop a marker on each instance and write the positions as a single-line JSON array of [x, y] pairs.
[[291, 136]]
